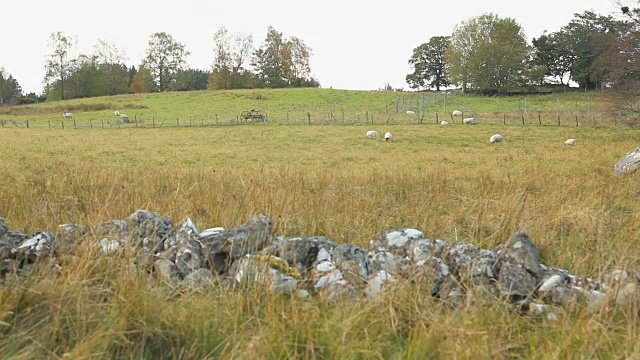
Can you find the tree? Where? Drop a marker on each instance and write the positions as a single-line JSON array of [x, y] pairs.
[[59, 64], [269, 60], [429, 64], [191, 79], [551, 52], [231, 52], [577, 39], [165, 57], [111, 64], [141, 82], [10, 90], [283, 63], [488, 53]]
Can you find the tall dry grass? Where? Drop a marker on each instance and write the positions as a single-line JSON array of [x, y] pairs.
[[446, 181]]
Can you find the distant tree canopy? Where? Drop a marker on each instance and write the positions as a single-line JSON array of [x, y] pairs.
[[10, 90], [279, 62], [488, 53], [430, 68]]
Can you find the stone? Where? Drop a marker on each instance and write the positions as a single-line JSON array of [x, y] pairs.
[[266, 270], [515, 282], [425, 249], [167, 271], [396, 241], [151, 230], [628, 163], [302, 252], [221, 249], [521, 251], [108, 246], [434, 272], [353, 261], [472, 265], [67, 235], [388, 262], [3, 227], [38, 246], [379, 283], [9, 241], [199, 277]]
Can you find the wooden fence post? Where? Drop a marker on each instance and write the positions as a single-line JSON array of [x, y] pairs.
[[27, 123], [539, 120], [309, 117], [49, 121], [437, 121], [576, 119], [63, 124], [504, 119]]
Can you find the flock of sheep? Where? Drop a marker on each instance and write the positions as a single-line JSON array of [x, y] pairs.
[[68, 115], [494, 139]]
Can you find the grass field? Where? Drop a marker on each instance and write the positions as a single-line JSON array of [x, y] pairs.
[[448, 182], [320, 106]]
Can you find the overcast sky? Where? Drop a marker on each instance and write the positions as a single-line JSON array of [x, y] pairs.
[[359, 45]]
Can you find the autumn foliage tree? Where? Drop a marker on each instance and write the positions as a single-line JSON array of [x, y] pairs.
[[165, 57]]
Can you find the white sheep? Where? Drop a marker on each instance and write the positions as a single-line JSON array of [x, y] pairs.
[[456, 113], [67, 115], [372, 134], [469, 121], [497, 138], [409, 112], [116, 113], [570, 142], [443, 122], [387, 136], [124, 116]]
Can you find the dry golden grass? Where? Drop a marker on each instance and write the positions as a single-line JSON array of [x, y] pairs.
[[320, 180]]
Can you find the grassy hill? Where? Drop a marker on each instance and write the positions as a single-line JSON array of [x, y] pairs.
[[324, 106]]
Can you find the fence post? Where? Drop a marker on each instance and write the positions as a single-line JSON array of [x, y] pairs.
[[576, 119], [2, 121], [437, 121], [153, 121], [504, 119], [397, 104], [189, 120], [343, 117], [103, 123], [539, 120], [91, 123], [309, 117], [371, 118], [522, 115], [178, 122], [63, 124], [136, 119], [366, 116], [27, 123], [216, 119], [49, 121], [74, 123], [558, 120]]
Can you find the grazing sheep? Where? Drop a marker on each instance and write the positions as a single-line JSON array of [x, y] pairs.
[[469, 121], [372, 134], [443, 122], [456, 113], [116, 113], [387, 136], [410, 112], [497, 138], [67, 115], [570, 142]]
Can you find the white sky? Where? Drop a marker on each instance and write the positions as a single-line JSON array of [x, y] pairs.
[[359, 45]]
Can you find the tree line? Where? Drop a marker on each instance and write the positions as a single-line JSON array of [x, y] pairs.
[[277, 63], [488, 54]]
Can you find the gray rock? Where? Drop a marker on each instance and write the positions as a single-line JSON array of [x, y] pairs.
[[113, 229], [150, 229], [221, 249], [628, 163], [38, 246], [378, 283], [167, 271], [302, 252], [3, 227], [516, 283], [353, 261], [388, 262], [10, 240], [396, 241], [199, 277], [67, 235], [270, 271], [425, 249], [187, 261], [471, 264], [521, 251], [108, 246]]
